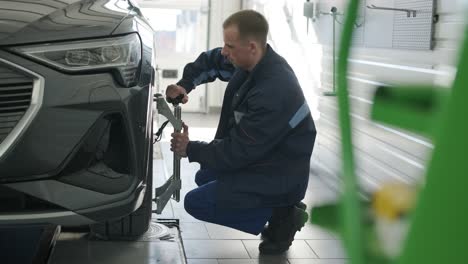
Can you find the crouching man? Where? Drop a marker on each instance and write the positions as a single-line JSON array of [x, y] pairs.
[[256, 170]]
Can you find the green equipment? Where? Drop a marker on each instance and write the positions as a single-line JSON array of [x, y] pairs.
[[438, 231]]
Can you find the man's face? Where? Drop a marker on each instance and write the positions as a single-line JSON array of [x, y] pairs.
[[238, 51]]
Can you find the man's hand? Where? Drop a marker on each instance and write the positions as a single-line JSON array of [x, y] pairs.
[[174, 90], [180, 141]]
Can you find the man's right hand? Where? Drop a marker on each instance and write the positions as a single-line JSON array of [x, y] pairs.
[[174, 90]]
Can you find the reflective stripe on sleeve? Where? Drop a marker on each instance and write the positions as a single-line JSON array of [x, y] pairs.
[[300, 114]]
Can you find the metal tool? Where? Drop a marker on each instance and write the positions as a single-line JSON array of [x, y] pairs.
[[172, 186]]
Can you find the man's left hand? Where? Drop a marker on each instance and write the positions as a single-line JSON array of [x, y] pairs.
[[180, 141]]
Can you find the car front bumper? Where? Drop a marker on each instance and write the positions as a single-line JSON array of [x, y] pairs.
[[83, 146]]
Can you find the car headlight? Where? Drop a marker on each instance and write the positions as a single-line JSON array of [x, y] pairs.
[[122, 55]]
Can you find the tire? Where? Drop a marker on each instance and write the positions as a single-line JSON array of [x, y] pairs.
[[133, 225]]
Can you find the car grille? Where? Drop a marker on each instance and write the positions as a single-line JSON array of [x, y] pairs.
[[15, 98]]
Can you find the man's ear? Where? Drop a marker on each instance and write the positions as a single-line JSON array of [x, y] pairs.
[[253, 46]]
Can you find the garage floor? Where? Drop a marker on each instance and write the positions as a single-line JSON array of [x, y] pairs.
[[201, 242]]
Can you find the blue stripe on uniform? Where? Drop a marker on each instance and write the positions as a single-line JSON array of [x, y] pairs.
[[301, 113]]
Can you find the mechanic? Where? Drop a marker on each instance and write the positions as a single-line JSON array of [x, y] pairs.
[[256, 170]]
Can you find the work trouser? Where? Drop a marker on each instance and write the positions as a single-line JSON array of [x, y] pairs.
[[201, 204]]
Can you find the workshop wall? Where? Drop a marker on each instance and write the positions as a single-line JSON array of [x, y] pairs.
[[219, 11], [382, 153], [184, 29]]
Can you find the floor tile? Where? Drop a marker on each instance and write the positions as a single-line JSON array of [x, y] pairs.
[[310, 231], [327, 248], [202, 261], [190, 230], [262, 260], [317, 261], [221, 232], [183, 216], [215, 249], [298, 249], [102, 252]]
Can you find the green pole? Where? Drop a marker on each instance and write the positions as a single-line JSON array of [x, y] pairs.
[[439, 232], [351, 213]]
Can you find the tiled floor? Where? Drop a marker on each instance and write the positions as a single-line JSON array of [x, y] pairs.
[[207, 243]]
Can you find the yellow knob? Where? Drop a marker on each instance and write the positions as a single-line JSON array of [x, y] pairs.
[[393, 200]]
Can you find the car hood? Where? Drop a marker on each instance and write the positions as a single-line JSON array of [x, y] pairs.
[[31, 21]]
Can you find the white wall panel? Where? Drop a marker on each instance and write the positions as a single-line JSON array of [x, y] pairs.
[[382, 153]]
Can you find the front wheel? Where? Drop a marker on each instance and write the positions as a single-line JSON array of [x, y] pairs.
[[135, 224]]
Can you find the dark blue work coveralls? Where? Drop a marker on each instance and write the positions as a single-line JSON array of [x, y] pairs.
[[260, 157]]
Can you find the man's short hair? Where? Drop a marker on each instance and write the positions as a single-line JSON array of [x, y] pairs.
[[250, 23]]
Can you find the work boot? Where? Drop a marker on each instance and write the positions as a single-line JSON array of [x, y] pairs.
[[284, 230], [266, 233]]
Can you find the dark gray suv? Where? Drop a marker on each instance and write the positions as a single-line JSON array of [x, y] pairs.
[[76, 80]]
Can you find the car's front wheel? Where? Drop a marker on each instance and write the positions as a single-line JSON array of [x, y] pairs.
[[135, 224]]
